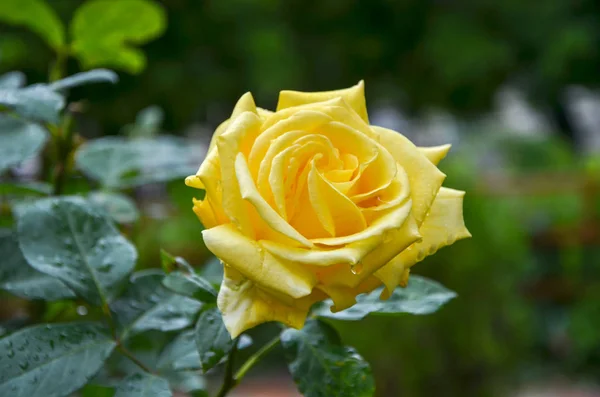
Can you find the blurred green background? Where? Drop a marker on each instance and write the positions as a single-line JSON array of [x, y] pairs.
[[511, 84]]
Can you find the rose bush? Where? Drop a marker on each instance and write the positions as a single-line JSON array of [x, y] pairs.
[[311, 202]]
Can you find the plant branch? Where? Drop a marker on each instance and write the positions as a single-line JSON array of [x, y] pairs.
[[232, 381], [64, 145], [229, 381], [256, 357]]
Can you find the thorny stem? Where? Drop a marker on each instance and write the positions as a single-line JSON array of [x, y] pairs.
[[64, 144], [231, 381]]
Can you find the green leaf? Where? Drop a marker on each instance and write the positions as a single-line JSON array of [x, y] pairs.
[[12, 80], [167, 261], [147, 124], [182, 354], [147, 305], [68, 239], [32, 188], [322, 367], [212, 339], [104, 32], [35, 102], [89, 77], [187, 382], [421, 296], [120, 163], [190, 285], [143, 385], [38, 16], [118, 206], [18, 278], [52, 360], [20, 139], [213, 271]]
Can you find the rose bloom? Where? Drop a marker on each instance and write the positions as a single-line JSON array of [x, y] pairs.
[[311, 202]]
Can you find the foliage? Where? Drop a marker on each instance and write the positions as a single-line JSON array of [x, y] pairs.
[[147, 331]]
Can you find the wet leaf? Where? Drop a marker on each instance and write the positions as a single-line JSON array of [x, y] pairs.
[[143, 385], [68, 239], [20, 139], [52, 360], [322, 367]]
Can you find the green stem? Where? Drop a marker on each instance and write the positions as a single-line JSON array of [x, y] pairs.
[[64, 145], [256, 357], [230, 381]]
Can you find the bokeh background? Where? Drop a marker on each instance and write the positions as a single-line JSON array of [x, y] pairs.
[[512, 84]]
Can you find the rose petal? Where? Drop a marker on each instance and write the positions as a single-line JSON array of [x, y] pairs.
[[389, 221], [245, 305], [337, 213], [443, 226], [425, 178], [435, 154], [256, 264], [267, 213], [242, 130], [355, 96]]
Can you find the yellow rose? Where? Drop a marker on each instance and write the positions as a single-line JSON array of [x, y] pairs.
[[311, 202]]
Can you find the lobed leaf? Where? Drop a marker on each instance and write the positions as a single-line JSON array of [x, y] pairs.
[[104, 32], [68, 239], [322, 367], [36, 15], [421, 296], [52, 360]]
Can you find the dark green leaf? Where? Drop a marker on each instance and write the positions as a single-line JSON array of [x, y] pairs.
[[20, 140], [143, 385], [190, 285], [104, 32], [421, 296], [120, 163], [68, 239], [83, 78], [33, 188], [36, 102], [322, 367], [38, 16], [212, 339], [182, 354], [12, 80], [187, 382], [52, 360], [18, 278], [147, 305], [118, 206]]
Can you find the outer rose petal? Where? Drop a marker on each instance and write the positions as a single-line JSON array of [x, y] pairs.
[[435, 154], [354, 96], [425, 178], [443, 226], [245, 305], [258, 265], [244, 104], [241, 130]]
